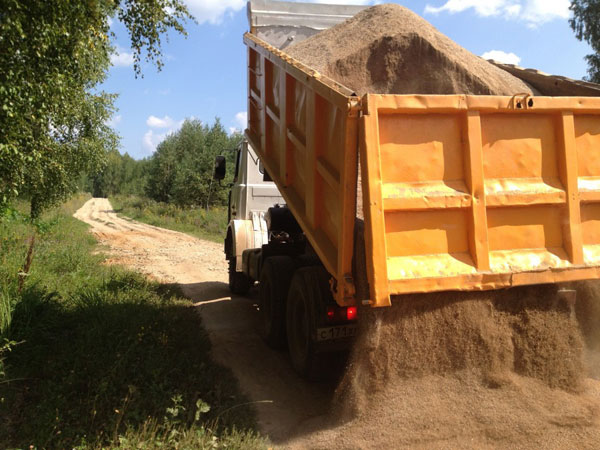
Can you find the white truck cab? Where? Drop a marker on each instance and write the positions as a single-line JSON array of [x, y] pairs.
[[252, 190], [265, 244], [251, 195]]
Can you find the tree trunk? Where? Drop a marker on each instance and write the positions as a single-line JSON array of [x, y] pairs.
[[35, 207]]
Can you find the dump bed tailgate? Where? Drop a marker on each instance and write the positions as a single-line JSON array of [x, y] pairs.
[[479, 192], [459, 192]]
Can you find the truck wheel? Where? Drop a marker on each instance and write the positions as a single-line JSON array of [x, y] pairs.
[[307, 291], [275, 278], [239, 283]]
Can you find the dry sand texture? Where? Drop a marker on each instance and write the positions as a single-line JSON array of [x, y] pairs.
[[388, 49], [498, 369]]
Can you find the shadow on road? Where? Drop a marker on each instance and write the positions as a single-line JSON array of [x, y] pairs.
[[205, 291], [287, 405]]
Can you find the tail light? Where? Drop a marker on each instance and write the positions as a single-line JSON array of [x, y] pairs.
[[336, 314], [351, 313]]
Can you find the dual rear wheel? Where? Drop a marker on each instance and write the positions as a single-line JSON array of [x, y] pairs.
[[289, 303], [275, 279]]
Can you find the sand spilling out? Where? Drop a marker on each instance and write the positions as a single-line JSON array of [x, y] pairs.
[[388, 49], [497, 369], [528, 331], [587, 309], [459, 411]]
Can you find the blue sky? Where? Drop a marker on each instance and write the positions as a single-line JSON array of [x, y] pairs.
[[204, 75]]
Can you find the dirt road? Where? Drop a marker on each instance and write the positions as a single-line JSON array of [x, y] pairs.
[[284, 401]]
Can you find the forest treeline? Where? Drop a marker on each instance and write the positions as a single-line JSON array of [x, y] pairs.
[[179, 171]]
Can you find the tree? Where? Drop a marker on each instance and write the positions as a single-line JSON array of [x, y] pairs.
[[181, 169], [586, 25], [53, 55], [121, 174]]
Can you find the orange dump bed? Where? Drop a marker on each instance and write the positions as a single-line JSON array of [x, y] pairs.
[[459, 192]]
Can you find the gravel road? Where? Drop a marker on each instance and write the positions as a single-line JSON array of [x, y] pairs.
[[284, 401]]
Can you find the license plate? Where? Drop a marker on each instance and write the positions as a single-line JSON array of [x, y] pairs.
[[339, 332]]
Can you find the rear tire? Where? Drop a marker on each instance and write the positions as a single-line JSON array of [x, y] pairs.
[[307, 292], [275, 277], [239, 283]]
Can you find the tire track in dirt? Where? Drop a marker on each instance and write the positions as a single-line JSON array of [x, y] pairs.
[[283, 401]]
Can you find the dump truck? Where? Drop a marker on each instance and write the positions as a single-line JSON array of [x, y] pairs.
[[455, 192]]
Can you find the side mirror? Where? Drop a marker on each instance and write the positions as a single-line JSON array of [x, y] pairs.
[[219, 172]]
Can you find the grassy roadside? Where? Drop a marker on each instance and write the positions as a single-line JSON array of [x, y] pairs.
[[97, 356], [209, 225]]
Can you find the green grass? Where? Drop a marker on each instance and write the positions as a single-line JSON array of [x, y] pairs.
[[210, 225], [97, 356]]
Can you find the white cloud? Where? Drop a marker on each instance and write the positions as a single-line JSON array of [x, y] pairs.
[[121, 58], [213, 11], [534, 12], [502, 57], [546, 10], [114, 121], [482, 7], [157, 122], [151, 140], [241, 119]]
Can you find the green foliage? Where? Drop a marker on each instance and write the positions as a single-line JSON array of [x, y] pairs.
[[180, 172], [53, 55], [121, 175], [181, 169], [586, 25], [96, 356], [199, 222]]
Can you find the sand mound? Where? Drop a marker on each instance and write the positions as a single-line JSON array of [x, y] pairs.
[[388, 49], [460, 412], [527, 331], [498, 369]]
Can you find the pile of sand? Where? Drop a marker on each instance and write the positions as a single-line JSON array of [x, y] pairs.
[[528, 331], [459, 412], [468, 370], [388, 49]]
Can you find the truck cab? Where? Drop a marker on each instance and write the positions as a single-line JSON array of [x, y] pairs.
[[252, 194], [252, 189]]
